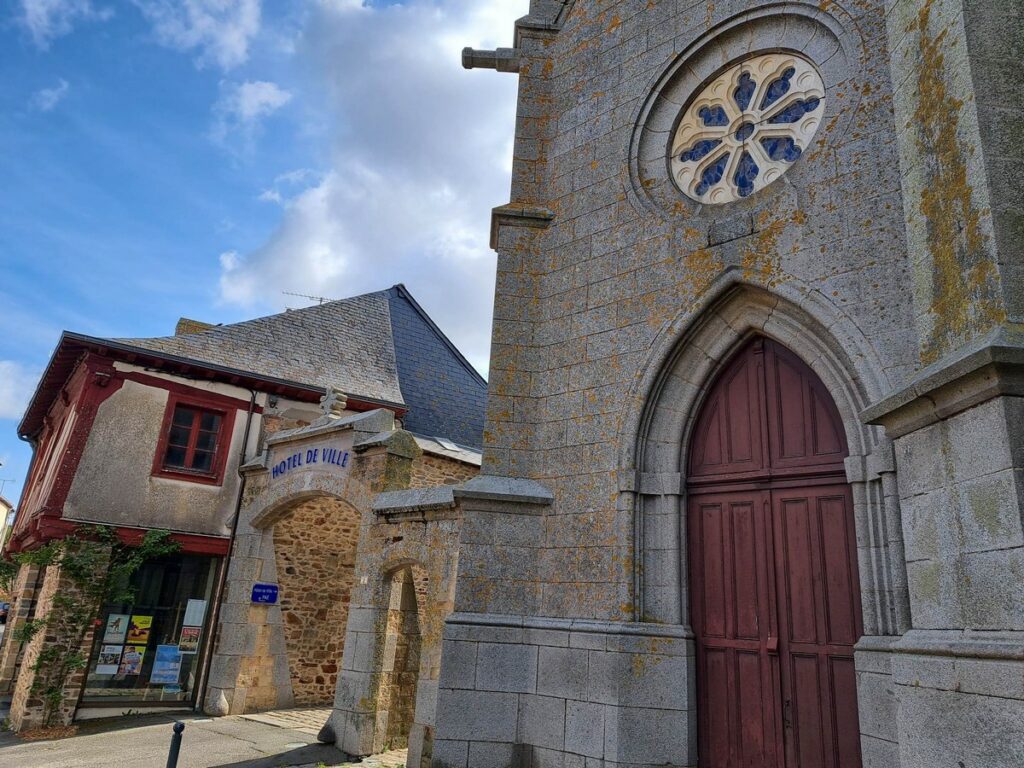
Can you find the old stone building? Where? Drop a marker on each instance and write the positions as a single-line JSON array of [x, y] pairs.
[[752, 474], [260, 445]]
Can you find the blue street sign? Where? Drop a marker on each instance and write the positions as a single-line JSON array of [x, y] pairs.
[[264, 593]]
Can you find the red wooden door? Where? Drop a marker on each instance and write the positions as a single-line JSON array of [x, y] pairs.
[[775, 597]]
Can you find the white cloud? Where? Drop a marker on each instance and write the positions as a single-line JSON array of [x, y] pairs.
[[17, 383], [243, 106], [46, 99], [419, 158], [287, 185], [219, 30], [49, 19]]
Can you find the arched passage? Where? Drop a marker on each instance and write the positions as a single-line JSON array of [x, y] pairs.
[[772, 559], [404, 624], [315, 545]]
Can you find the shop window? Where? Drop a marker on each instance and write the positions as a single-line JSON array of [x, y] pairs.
[[147, 651], [193, 442]]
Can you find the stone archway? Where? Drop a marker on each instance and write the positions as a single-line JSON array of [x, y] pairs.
[[315, 546], [668, 396], [775, 595]]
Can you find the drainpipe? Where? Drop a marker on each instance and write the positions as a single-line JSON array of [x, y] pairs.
[[218, 594]]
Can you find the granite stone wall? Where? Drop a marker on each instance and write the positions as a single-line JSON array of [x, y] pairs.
[[886, 258]]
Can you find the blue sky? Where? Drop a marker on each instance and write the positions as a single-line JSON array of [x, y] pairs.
[[199, 157]]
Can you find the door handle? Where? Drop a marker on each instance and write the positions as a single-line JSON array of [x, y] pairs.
[[773, 644]]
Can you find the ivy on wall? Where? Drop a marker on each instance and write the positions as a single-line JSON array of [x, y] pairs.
[[95, 569]]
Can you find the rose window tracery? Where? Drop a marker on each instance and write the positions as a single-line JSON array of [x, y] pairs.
[[746, 128]]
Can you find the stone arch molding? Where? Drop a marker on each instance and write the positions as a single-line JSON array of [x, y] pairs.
[[826, 38], [664, 403]]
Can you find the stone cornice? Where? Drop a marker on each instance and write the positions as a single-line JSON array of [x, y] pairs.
[[992, 367], [519, 215]]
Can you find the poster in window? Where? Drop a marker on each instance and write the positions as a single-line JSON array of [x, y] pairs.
[[131, 660], [138, 630], [189, 640], [166, 666], [109, 659], [194, 613], [117, 628]]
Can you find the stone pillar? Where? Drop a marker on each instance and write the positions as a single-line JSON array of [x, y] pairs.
[[28, 709], [26, 585], [958, 425], [959, 670], [385, 464]]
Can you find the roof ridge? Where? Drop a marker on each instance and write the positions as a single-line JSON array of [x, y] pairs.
[[220, 328]]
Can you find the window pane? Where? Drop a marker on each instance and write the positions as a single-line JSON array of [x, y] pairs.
[[202, 461], [183, 416], [207, 441], [175, 456], [178, 436], [210, 422]]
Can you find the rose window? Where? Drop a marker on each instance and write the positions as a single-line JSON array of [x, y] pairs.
[[747, 127]]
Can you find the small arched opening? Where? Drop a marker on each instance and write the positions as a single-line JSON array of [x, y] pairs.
[[400, 663]]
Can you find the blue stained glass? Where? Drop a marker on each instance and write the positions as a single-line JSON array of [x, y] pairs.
[[712, 175], [782, 149], [713, 116], [744, 91], [778, 88], [700, 150], [746, 174], [795, 111], [745, 131]]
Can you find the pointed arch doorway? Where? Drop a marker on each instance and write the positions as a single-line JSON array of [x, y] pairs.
[[775, 594]]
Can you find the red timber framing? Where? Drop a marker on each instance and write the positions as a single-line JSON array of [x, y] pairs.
[[225, 407], [60, 416], [775, 594]]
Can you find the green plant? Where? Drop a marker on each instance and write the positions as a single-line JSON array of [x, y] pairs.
[[8, 573], [96, 568]]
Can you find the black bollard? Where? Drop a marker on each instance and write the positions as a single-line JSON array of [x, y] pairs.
[[172, 756]]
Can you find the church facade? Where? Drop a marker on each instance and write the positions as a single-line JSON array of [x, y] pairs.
[[752, 477]]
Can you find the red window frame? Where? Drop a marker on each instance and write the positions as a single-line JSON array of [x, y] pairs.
[[222, 446]]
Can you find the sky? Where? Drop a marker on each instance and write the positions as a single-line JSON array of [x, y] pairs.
[[203, 158]]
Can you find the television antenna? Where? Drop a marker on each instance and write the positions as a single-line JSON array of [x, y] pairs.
[[320, 299]]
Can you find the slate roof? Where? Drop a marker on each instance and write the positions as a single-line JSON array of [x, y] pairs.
[[346, 344], [381, 347]]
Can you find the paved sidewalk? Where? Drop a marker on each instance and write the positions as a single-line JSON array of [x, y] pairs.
[[308, 721], [137, 742]]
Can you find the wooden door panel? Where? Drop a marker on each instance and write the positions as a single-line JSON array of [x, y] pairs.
[[821, 606], [795, 564], [842, 609], [806, 709], [773, 569], [746, 600], [804, 428], [735, 672], [843, 681]]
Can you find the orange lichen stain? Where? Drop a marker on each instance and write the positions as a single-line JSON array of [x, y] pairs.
[[760, 261], [964, 281], [615, 24]]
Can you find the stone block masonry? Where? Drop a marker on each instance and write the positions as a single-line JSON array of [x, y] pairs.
[[538, 691], [884, 258]]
